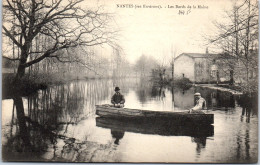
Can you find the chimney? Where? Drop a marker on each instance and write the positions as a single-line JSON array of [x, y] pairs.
[[207, 50]]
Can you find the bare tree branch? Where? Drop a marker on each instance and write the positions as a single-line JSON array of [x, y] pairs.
[[62, 23]]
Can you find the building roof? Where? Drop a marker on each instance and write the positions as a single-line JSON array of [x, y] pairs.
[[205, 55], [201, 55]]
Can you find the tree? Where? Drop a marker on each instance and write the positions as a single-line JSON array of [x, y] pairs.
[[173, 56], [238, 37], [144, 65], [62, 23]]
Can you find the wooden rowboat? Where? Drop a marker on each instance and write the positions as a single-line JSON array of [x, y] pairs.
[[137, 114]]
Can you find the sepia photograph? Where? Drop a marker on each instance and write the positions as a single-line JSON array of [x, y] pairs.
[[121, 81]]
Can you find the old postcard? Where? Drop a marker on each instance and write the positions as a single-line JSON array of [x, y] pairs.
[[120, 81]]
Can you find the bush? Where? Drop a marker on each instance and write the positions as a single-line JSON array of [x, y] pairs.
[[183, 83]]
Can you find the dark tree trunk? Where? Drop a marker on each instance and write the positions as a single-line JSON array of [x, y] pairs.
[[218, 79], [21, 67], [18, 102], [20, 73], [231, 82]]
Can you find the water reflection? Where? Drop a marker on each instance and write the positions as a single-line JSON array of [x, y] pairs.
[[27, 137], [216, 100], [55, 124], [57, 105], [117, 134], [147, 91], [249, 106], [118, 128], [156, 127], [44, 117], [201, 143], [158, 92], [183, 98], [143, 91]]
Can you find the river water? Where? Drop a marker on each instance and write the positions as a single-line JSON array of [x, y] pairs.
[[59, 124]]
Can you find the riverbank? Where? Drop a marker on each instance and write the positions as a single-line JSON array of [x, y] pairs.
[[220, 88], [30, 83], [25, 87]]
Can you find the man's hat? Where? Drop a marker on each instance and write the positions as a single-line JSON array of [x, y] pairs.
[[197, 94], [117, 88]]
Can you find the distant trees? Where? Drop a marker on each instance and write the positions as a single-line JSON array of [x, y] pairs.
[[120, 67], [41, 29], [144, 65], [238, 36]]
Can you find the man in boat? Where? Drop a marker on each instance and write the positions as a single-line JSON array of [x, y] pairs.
[[118, 99], [200, 104]]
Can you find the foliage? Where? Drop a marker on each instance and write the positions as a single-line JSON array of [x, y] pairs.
[[144, 65], [183, 83]]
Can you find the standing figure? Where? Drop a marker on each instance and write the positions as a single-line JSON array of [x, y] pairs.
[[118, 99], [200, 103]]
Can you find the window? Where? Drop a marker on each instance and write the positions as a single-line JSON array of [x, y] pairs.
[[213, 73]]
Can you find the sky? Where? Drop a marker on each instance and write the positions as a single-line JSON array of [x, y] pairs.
[[163, 32]]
